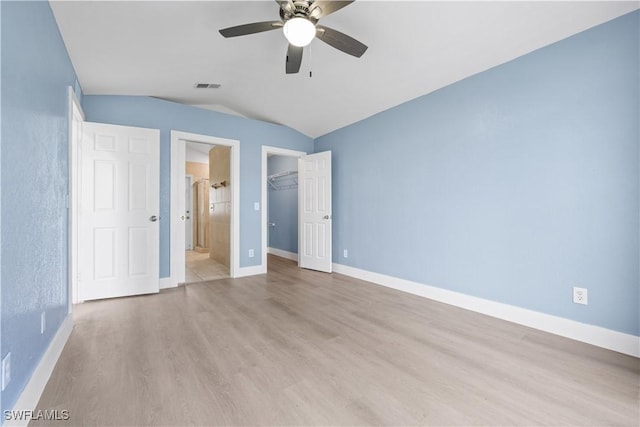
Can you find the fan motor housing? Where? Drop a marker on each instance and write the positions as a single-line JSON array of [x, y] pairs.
[[300, 9]]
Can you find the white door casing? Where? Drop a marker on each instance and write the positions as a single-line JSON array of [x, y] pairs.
[[76, 119], [188, 214], [314, 211], [119, 211], [178, 143]]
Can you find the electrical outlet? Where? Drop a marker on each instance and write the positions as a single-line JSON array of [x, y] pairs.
[[580, 295], [251, 254], [345, 253], [256, 206], [43, 322], [6, 370]]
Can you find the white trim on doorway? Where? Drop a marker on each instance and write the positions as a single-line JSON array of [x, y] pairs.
[[76, 118], [188, 237], [266, 151], [177, 252]]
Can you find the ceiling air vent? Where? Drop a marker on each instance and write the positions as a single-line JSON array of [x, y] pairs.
[[207, 86]]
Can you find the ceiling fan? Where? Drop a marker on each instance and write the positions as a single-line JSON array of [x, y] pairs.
[[299, 21]]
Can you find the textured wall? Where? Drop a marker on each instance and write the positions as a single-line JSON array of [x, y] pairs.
[[283, 207], [36, 73], [513, 185], [166, 116]]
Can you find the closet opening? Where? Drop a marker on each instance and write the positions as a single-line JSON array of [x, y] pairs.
[[280, 205]]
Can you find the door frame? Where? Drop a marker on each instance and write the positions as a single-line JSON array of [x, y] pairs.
[[190, 178], [266, 150], [177, 227], [76, 114]]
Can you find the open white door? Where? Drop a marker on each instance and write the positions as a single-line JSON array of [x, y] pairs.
[[119, 206], [314, 216]]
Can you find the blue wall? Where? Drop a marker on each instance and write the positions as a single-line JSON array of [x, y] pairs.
[[283, 206], [36, 73], [513, 185], [167, 116]]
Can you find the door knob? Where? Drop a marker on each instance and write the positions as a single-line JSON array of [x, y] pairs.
[[326, 217], [153, 218]]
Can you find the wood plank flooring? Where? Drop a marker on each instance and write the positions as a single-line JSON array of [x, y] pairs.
[[297, 347]]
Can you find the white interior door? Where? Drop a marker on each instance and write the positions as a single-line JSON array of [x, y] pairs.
[[119, 206], [314, 217]]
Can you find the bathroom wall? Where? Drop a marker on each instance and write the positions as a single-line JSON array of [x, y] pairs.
[[220, 193]]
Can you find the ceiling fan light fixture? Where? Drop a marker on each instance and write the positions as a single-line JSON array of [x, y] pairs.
[[299, 31]]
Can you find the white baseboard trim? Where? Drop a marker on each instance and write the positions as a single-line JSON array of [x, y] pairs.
[[283, 254], [167, 282], [251, 271], [30, 396], [595, 335]]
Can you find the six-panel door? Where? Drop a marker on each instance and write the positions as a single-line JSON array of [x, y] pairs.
[[314, 199], [119, 211]]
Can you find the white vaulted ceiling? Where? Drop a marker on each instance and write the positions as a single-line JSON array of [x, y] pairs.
[[162, 48]]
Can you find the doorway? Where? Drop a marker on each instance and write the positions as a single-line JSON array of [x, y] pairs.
[[207, 212], [280, 203], [282, 206], [179, 140]]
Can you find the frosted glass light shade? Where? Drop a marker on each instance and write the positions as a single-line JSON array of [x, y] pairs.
[[299, 31]]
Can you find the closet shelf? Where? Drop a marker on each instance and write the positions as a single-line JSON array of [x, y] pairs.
[[283, 180]]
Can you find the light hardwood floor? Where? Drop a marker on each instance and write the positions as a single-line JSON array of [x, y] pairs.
[[297, 347]]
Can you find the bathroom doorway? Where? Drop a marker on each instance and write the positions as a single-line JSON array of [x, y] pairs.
[[207, 205]]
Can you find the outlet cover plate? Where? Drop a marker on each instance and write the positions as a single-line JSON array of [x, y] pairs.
[[6, 371], [580, 295]]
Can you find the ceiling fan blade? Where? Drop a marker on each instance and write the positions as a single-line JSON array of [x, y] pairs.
[[256, 27], [286, 5], [294, 59], [322, 8], [340, 41]]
